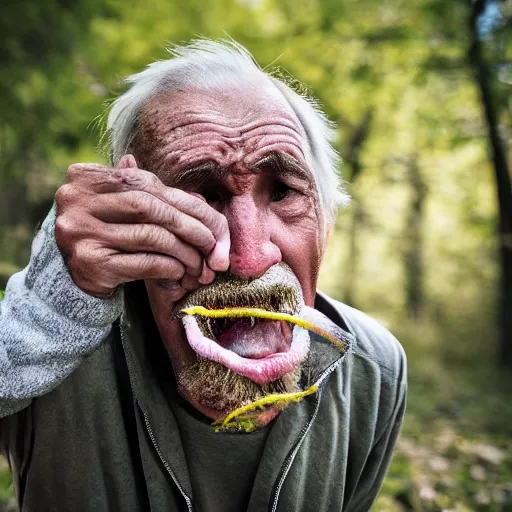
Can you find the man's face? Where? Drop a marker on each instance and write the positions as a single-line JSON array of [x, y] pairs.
[[243, 151]]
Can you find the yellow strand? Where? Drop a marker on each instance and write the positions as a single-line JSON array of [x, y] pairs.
[[262, 313], [233, 420], [272, 399]]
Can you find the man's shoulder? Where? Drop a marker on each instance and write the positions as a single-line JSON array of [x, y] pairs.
[[373, 343]]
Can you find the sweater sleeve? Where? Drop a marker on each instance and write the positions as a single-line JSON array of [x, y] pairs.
[[47, 324]]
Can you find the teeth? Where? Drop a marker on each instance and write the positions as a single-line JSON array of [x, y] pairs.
[[209, 321], [253, 322]]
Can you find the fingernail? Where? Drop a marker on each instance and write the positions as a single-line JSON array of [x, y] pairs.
[[219, 257]]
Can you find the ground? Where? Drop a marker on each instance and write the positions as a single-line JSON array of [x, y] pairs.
[[455, 449]]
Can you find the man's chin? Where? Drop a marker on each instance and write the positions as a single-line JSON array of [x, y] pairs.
[[262, 417], [215, 390]]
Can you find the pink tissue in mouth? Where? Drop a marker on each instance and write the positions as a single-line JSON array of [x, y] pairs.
[[262, 370], [266, 337]]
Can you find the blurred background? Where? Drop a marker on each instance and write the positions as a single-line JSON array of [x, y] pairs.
[[421, 93]]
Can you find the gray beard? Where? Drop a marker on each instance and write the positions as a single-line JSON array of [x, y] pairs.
[[216, 387]]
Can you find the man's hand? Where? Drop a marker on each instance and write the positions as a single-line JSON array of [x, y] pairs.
[[116, 225]]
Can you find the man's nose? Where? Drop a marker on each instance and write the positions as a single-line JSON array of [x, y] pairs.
[[252, 251]]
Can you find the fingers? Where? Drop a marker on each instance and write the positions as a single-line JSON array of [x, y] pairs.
[[120, 224], [99, 271], [132, 267], [150, 238], [142, 207], [207, 275], [218, 259], [101, 179], [190, 282]]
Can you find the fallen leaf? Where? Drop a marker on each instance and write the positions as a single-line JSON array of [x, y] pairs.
[[482, 497], [489, 453], [439, 464], [477, 472]]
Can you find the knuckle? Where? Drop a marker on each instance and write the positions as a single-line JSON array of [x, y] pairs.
[[73, 171], [207, 243], [212, 218], [151, 265], [89, 269], [177, 269], [153, 180], [174, 218], [148, 236], [64, 195], [221, 222], [141, 204], [164, 266], [145, 180], [139, 233], [146, 263], [64, 228]]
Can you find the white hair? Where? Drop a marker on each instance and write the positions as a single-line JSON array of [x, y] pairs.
[[213, 65]]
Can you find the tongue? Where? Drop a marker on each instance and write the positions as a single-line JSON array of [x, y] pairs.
[[261, 370], [265, 338]]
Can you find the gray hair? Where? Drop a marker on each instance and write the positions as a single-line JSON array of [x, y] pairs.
[[214, 65]]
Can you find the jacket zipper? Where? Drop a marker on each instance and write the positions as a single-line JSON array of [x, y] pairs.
[[149, 430], [285, 468], [164, 462]]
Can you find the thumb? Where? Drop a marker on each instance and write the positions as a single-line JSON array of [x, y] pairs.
[[127, 162]]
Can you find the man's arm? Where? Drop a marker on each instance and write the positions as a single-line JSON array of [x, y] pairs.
[[47, 324], [112, 226]]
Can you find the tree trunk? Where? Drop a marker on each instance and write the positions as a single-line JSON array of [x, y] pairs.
[[413, 236], [353, 158], [503, 182]]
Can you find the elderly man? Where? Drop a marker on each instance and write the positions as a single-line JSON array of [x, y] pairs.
[[171, 290]]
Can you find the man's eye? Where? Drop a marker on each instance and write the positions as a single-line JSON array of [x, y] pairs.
[[211, 195], [280, 191]]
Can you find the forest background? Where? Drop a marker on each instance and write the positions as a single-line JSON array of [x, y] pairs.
[[421, 93]]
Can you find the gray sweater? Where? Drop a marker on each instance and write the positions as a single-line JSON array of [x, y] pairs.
[[86, 418], [47, 324]]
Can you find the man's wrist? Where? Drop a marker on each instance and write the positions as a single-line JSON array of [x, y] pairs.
[[48, 277]]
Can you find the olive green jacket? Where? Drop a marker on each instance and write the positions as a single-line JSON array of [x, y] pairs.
[[105, 439]]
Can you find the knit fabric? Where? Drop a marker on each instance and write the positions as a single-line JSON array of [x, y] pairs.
[[47, 324]]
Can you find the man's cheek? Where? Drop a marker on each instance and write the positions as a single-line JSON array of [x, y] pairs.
[[302, 250]]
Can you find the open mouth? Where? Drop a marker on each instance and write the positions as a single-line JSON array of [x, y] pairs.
[[257, 328], [266, 369], [258, 346], [246, 334], [228, 332], [262, 354]]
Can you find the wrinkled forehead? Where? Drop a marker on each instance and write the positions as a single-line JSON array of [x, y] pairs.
[[238, 124]]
